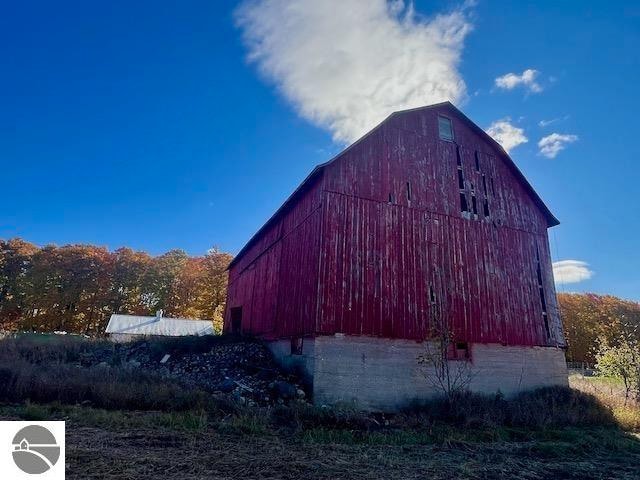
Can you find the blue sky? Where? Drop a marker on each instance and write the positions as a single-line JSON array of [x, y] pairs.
[[161, 125]]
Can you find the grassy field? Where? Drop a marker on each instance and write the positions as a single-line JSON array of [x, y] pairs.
[[129, 425]]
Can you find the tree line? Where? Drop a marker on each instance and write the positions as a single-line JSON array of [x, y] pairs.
[[76, 288], [592, 321]]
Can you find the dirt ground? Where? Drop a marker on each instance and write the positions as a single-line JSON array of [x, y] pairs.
[[156, 453]]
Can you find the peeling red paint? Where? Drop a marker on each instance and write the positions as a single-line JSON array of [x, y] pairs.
[[373, 237]]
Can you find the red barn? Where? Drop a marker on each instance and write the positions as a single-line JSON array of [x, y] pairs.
[[426, 212]]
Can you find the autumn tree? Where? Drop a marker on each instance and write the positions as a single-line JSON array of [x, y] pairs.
[[77, 287], [15, 262], [589, 318]]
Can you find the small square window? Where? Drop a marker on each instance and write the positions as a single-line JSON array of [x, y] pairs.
[[458, 351], [445, 128]]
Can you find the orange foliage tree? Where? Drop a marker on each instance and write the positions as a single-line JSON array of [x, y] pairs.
[[76, 288], [591, 319]]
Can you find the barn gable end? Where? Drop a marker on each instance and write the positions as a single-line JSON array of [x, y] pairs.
[[399, 224]]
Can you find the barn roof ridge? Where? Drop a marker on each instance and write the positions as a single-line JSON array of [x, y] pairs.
[[551, 219]]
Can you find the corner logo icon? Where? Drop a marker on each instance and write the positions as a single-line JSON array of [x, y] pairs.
[[35, 449]]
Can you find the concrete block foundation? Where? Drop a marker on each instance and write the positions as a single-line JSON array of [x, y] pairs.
[[385, 374]]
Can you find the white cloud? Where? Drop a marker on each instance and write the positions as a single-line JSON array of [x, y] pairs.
[[571, 271], [506, 134], [345, 65], [546, 123], [552, 144], [527, 79]]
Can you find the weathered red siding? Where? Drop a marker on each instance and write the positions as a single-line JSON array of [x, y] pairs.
[[379, 237]]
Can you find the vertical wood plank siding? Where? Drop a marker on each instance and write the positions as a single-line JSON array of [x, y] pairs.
[[380, 238]]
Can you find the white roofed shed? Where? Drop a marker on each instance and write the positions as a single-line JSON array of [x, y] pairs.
[[124, 326]]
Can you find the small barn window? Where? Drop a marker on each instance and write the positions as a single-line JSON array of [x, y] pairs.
[[445, 129], [474, 203], [390, 198], [408, 191], [460, 179], [297, 344], [459, 351], [477, 162], [464, 206], [485, 207]]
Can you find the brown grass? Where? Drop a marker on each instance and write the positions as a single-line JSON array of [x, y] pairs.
[[610, 393], [124, 423]]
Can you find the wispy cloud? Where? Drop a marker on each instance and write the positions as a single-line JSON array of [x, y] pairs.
[[526, 79], [546, 123], [571, 271], [506, 134], [553, 144], [345, 65]]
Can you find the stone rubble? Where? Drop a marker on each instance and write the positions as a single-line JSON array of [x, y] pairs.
[[243, 368]]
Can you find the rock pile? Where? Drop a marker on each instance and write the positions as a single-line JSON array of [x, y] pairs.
[[242, 368]]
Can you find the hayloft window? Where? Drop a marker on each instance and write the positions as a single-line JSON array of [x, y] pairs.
[[460, 179], [485, 208], [445, 129], [464, 206], [474, 203]]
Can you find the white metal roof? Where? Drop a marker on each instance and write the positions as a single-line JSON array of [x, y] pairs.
[[162, 326]]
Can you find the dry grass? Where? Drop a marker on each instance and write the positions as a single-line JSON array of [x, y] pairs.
[[610, 392], [129, 425], [105, 444]]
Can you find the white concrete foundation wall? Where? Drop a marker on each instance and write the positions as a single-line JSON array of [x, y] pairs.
[[300, 364], [384, 374]]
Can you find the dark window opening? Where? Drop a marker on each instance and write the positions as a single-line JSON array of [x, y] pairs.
[[390, 198], [539, 273], [432, 295], [543, 300], [477, 162], [460, 179], [546, 324], [464, 207], [485, 207], [458, 157], [236, 320], [297, 344], [474, 204], [459, 351], [445, 129], [408, 191]]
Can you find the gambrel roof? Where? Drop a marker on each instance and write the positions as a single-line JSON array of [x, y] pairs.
[[317, 171]]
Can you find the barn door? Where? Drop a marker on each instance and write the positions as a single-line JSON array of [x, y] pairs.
[[236, 320]]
